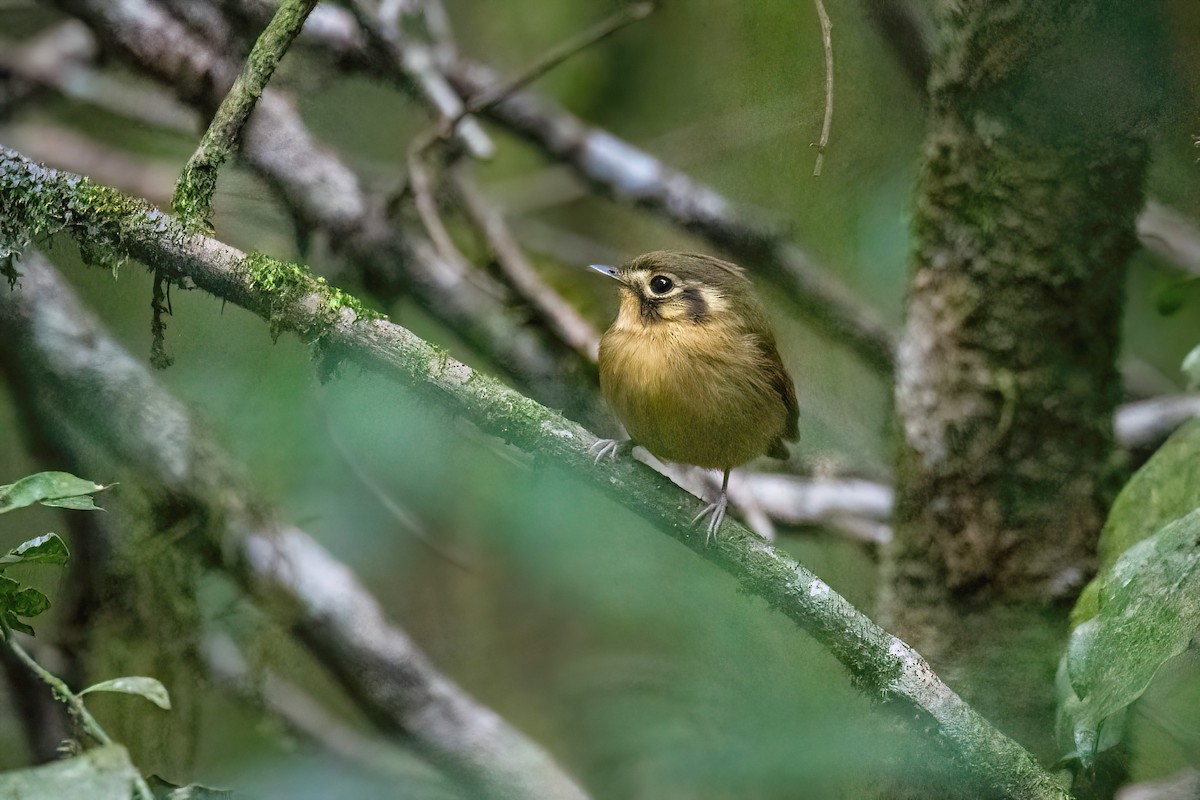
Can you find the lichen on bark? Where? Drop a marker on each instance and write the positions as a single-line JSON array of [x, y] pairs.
[[1006, 377]]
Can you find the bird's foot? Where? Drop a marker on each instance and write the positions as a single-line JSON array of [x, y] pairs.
[[611, 448], [716, 515]]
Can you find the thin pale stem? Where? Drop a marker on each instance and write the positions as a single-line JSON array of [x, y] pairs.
[[83, 718], [827, 122]]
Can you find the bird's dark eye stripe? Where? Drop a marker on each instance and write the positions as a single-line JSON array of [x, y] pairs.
[[661, 284], [697, 308]]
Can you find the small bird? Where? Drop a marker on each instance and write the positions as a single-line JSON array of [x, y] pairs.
[[691, 368]]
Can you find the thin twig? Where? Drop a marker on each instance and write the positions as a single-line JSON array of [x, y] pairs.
[[1171, 234], [198, 182], [827, 41], [557, 55], [1144, 424], [74, 705], [562, 318], [406, 519], [79, 712], [417, 63], [420, 181]]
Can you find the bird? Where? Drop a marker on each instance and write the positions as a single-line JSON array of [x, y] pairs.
[[691, 369]]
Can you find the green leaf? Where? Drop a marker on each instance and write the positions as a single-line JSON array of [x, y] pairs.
[[1191, 368], [45, 549], [1148, 609], [9, 622], [80, 503], [148, 688], [28, 602], [46, 486], [1165, 488], [102, 773], [16, 602]]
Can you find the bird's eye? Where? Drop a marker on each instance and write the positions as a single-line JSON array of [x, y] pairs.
[[661, 284]]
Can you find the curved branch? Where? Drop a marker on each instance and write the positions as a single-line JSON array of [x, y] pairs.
[[883, 666]]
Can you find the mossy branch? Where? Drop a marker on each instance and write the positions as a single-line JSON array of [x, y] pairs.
[[194, 190], [45, 201]]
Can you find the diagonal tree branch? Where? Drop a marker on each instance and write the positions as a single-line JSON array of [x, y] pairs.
[[62, 353], [44, 201]]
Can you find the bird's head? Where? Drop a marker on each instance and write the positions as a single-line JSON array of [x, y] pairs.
[[672, 287]]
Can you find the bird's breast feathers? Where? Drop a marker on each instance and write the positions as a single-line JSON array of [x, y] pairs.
[[694, 393]]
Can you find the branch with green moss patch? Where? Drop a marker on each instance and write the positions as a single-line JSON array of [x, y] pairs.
[[112, 227], [292, 299], [194, 190]]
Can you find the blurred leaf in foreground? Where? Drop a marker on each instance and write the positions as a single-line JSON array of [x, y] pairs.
[[1143, 607], [149, 688], [60, 489], [1149, 609]]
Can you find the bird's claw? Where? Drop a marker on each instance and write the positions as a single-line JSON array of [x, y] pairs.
[[716, 515], [608, 447]]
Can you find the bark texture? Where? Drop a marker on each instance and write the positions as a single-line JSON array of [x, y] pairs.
[[1006, 377]]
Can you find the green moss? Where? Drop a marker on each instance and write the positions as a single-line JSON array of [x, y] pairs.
[[39, 203], [287, 283], [194, 191]]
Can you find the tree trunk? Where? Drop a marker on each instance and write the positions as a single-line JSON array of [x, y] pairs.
[[1006, 380]]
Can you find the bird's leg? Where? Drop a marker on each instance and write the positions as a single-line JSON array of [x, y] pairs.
[[715, 511], [611, 448]]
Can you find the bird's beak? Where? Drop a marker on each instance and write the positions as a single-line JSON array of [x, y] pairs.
[[606, 270]]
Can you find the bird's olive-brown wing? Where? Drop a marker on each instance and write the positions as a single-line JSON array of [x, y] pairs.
[[782, 382]]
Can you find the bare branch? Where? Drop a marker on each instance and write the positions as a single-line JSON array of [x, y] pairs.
[[493, 94], [1147, 423], [417, 65], [194, 191], [1171, 235], [883, 666], [307, 719], [1183, 785], [827, 121], [559, 315]]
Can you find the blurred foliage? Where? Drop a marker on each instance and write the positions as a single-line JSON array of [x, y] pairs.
[[645, 673], [1140, 611]]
